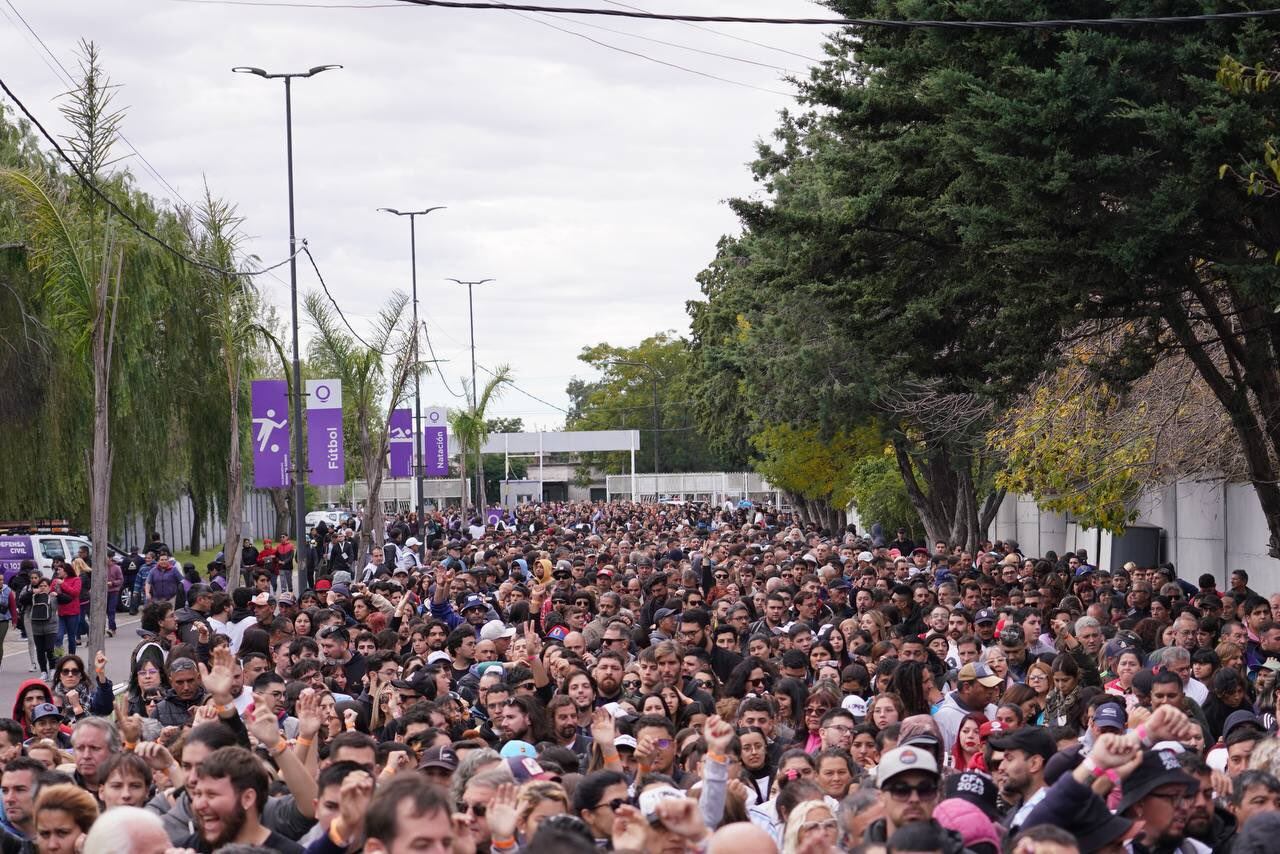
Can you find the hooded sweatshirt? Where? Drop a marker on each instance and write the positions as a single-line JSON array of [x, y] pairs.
[[18, 715]]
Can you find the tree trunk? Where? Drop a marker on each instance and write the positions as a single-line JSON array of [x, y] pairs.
[[100, 460], [280, 501], [462, 478], [482, 500], [235, 476], [149, 522], [373, 517], [199, 509]]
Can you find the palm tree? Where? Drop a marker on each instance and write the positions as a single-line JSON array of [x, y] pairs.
[[362, 367], [471, 428]]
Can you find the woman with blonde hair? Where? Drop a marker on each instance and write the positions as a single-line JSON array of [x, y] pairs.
[[64, 814], [876, 624], [811, 820]]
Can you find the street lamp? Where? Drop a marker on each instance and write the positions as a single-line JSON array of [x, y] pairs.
[[299, 470], [654, 377], [418, 468], [475, 394]]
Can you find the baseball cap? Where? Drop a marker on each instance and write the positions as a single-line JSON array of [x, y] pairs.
[[662, 614], [627, 741], [1239, 718], [47, 710], [1158, 768], [1110, 716], [986, 615], [979, 672], [322, 584], [287, 599], [975, 787], [341, 577], [474, 601], [518, 748], [1012, 638], [438, 655], [854, 705], [839, 583], [559, 633], [495, 629], [866, 557], [525, 768], [411, 542], [1031, 740], [440, 757], [903, 759], [262, 599], [605, 571]]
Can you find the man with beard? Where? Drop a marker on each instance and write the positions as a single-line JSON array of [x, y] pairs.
[[227, 797], [608, 675], [1206, 822], [564, 724], [1026, 752]]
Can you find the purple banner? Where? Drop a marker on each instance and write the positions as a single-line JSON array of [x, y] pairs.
[[326, 458], [270, 412], [400, 432], [435, 440]]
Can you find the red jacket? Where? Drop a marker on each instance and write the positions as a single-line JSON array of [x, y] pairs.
[[70, 587]]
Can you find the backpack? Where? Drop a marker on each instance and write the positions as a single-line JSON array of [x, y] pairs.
[[40, 609]]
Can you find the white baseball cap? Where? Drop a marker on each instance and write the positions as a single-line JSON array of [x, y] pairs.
[[903, 759]]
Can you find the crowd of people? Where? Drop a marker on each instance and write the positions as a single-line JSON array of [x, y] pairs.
[[650, 678]]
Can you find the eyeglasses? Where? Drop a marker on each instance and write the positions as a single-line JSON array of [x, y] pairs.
[[840, 728], [903, 791], [478, 810], [612, 804], [808, 826], [663, 743]]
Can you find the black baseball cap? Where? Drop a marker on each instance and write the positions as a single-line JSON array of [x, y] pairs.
[[1031, 740]]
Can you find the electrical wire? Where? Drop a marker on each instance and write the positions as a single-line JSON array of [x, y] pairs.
[[436, 361], [715, 32], [653, 59], [851, 22], [307, 250], [690, 48], [1052, 24], [125, 215]]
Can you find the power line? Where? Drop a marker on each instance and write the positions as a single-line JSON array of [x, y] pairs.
[[122, 213], [436, 361], [307, 249], [723, 34], [851, 22], [679, 46], [1050, 24], [653, 59]]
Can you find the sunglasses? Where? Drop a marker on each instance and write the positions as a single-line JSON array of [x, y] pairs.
[[630, 683], [902, 791], [478, 810], [613, 804], [71, 671], [704, 684]]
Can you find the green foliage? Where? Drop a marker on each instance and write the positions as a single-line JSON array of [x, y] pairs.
[[878, 494], [624, 399]]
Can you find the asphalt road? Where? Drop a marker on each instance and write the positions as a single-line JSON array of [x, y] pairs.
[[16, 664]]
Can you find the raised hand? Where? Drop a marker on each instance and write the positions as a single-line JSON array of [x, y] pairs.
[[353, 800], [310, 714], [502, 812], [264, 726], [533, 643], [718, 734], [1169, 724], [682, 817], [100, 665], [630, 830], [157, 755], [217, 678], [204, 714], [603, 728]]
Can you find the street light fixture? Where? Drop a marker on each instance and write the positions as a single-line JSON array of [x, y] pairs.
[[654, 377], [418, 468], [475, 394], [299, 470]]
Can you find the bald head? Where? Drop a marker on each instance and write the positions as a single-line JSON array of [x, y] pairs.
[[741, 836]]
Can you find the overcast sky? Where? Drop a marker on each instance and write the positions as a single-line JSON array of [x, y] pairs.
[[589, 183]]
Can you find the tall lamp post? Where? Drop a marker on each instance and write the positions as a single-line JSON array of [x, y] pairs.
[[419, 473], [299, 458], [475, 393], [654, 376]]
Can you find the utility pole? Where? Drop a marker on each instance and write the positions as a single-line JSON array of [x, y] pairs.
[[419, 469], [303, 545], [475, 393], [654, 376]]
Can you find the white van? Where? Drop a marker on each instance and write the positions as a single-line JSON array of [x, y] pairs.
[[42, 548]]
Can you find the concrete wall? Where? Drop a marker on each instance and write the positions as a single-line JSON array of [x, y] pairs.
[[1204, 525]]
